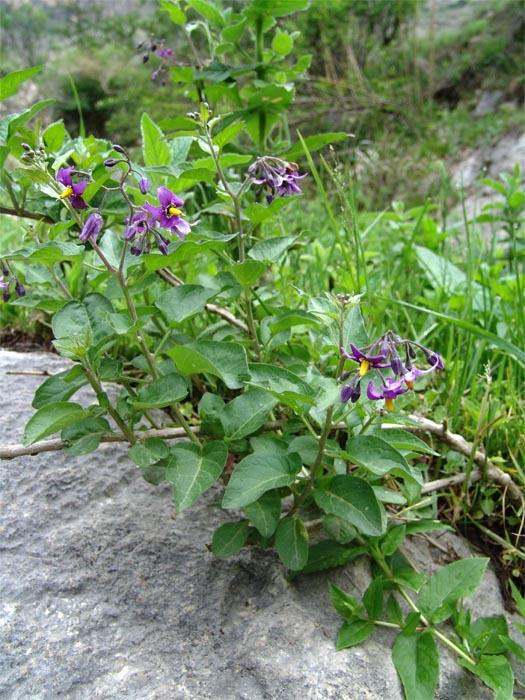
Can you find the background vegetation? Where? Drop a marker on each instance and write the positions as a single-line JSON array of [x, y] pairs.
[[377, 218]]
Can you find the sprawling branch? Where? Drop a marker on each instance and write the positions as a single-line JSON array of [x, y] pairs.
[[23, 214], [459, 444]]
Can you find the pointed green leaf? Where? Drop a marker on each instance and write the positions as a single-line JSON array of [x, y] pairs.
[[256, 474], [440, 594], [165, 391], [246, 413], [494, 671], [59, 387], [354, 500], [291, 542], [416, 659], [265, 513], [281, 383], [222, 359], [352, 633], [345, 604], [248, 272], [10, 83], [257, 213], [180, 303], [192, 471], [84, 435], [154, 147], [208, 10], [271, 249], [229, 538], [50, 419], [380, 458], [147, 453], [328, 554]]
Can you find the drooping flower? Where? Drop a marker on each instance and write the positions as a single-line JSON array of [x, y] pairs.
[[92, 227], [143, 184], [390, 390], [365, 361], [168, 214], [352, 390], [73, 190], [7, 279], [276, 176]]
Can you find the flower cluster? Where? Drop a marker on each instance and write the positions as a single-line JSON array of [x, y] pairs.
[[147, 219], [276, 176], [390, 353], [154, 46], [7, 280]]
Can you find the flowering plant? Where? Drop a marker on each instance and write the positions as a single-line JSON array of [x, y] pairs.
[[162, 276]]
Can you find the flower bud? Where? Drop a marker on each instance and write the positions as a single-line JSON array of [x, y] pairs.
[[119, 149], [19, 289], [144, 184], [92, 227], [111, 162]]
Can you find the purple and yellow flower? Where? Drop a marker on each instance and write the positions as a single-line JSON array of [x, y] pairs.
[[365, 361], [276, 176], [168, 214], [390, 390], [73, 190]]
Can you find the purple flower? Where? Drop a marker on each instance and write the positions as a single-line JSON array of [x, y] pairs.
[[165, 53], [277, 176], [73, 190], [6, 280], [365, 361], [352, 390], [390, 390], [91, 227], [168, 214]]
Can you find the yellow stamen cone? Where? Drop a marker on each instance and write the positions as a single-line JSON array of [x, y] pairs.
[[389, 405], [173, 211], [66, 193], [363, 369]]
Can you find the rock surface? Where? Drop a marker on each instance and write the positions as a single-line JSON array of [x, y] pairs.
[[107, 594]]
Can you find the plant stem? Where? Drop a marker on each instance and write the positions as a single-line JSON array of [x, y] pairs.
[[98, 389]]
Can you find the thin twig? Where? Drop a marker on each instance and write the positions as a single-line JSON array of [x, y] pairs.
[[459, 444]]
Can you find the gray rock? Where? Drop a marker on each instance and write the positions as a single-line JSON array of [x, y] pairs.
[[488, 103], [107, 594]]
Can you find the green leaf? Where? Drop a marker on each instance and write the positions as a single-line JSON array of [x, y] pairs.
[[275, 8], [440, 594], [345, 604], [265, 513], [10, 83], [84, 435], [291, 542], [328, 554], [246, 413], [403, 440], [440, 272], [19, 120], [55, 135], [487, 635], [50, 253], [373, 598], [494, 671], [393, 540], [177, 16], [339, 529], [59, 387], [147, 453], [192, 471], [154, 147], [180, 303], [50, 419], [416, 659], [380, 458], [284, 385], [162, 392], [221, 359], [352, 633], [228, 134], [257, 213], [282, 43], [248, 272], [229, 538], [256, 474], [353, 499], [209, 11], [272, 249]]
